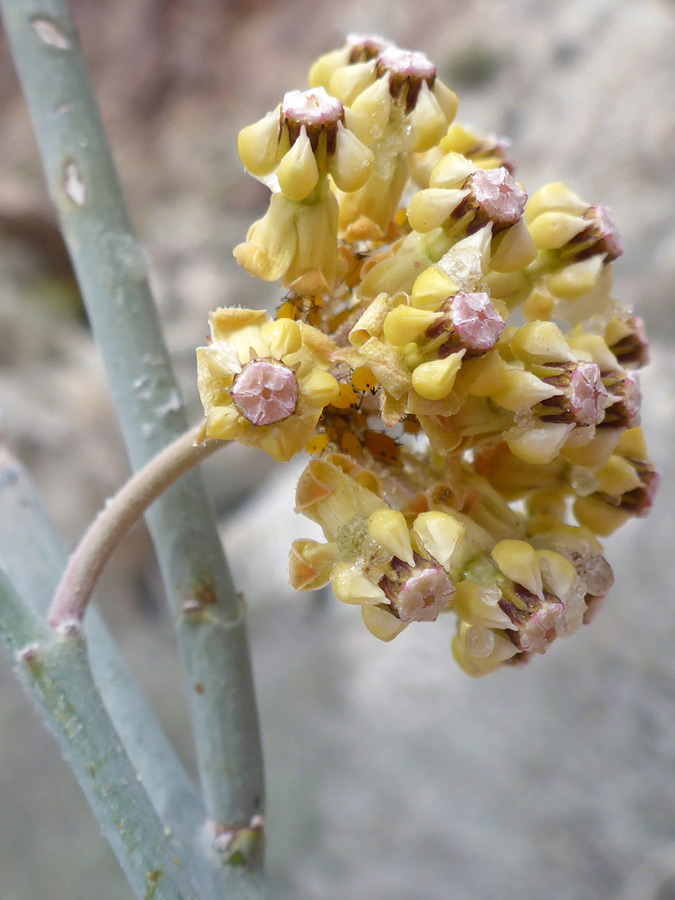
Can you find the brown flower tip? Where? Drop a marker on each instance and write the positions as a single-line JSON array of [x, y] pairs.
[[408, 71], [364, 47], [584, 397], [315, 111], [627, 339], [417, 593], [604, 227], [625, 411]]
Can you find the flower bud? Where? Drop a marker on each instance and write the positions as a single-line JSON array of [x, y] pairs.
[[434, 380], [406, 323], [389, 528], [382, 622], [440, 535], [310, 564], [518, 561], [432, 288], [627, 340], [257, 144], [485, 151], [298, 172]]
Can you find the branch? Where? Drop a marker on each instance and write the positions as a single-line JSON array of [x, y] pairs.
[[112, 274], [119, 514], [56, 673], [33, 558]]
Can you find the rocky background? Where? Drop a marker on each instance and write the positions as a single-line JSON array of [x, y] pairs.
[[391, 775]]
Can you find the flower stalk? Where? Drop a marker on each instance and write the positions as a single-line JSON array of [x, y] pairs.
[[119, 514]]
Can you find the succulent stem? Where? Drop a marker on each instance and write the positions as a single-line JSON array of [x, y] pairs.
[[112, 273]]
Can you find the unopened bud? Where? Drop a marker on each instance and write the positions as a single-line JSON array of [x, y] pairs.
[[518, 561], [432, 207], [440, 535], [382, 622], [405, 324], [407, 71], [434, 380], [389, 528], [432, 288], [498, 196], [627, 339], [265, 392]]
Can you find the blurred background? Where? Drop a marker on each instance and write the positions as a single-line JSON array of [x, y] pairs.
[[391, 775]]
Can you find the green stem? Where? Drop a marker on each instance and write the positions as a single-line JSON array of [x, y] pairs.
[[33, 557], [112, 274], [56, 672]]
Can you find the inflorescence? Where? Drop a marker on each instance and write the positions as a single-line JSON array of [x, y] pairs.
[[448, 352]]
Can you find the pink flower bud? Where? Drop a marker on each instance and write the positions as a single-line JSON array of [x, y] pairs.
[[587, 394], [537, 622], [476, 321], [265, 392], [364, 47], [608, 232], [315, 111], [417, 593], [407, 71], [498, 195], [424, 595]]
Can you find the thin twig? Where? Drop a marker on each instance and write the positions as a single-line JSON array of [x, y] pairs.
[[119, 514]]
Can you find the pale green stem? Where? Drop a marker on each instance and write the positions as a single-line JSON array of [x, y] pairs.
[[33, 557], [119, 514], [111, 270], [56, 672]]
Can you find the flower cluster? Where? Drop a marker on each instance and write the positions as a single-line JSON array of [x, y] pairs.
[[447, 350]]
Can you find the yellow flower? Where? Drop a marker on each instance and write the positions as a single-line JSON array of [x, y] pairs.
[[395, 570], [264, 382], [306, 141], [295, 241]]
